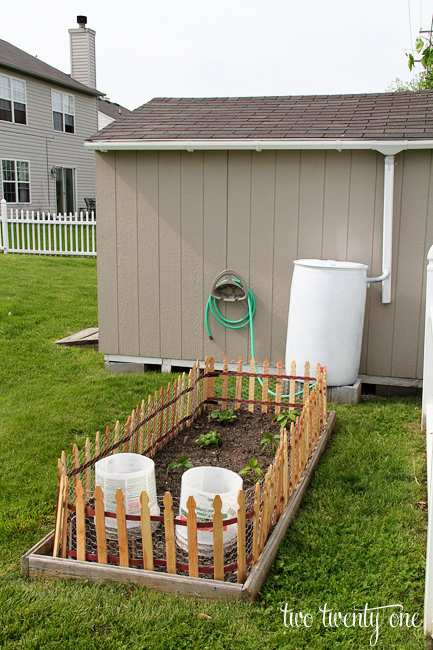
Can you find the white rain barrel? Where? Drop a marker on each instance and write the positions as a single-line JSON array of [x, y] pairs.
[[132, 473], [326, 318], [203, 483]]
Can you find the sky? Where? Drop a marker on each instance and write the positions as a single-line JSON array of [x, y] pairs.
[[232, 48]]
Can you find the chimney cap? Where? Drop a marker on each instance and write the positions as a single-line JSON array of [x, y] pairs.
[[82, 21]]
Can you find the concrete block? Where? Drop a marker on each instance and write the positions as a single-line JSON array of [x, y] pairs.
[[120, 366], [345, 394]]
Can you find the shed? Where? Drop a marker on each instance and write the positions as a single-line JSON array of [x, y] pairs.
[[189, 187]]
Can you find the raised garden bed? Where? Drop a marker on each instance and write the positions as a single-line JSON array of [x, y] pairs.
[[165, 429]]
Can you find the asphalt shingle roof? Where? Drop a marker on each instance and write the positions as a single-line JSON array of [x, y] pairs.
[[14, 59], [379, 116]]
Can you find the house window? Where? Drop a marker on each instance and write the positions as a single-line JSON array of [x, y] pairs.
[[16, 181], [13, 100], [63, 112]]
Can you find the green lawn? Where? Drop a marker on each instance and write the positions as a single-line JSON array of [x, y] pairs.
[[358, 540]]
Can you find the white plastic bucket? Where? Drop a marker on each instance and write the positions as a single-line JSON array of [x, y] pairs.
[[203, 483], [131, 473], [326, 318]]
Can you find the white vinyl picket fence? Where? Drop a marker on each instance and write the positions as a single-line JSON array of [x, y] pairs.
[[427, 422], [45, 233]]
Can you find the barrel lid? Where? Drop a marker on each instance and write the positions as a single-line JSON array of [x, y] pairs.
[[332, 264]]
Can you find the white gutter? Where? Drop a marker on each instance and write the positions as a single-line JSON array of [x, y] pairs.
[[388, 147]]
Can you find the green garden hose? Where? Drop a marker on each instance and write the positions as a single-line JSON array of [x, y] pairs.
[[212, 306]]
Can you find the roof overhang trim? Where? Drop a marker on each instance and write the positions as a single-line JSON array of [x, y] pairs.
[[52, 80], [388, 147]]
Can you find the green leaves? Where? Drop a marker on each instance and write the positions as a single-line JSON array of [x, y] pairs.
[[183, 463], [419, 44], [223, 417], [273, 440], [211, 439], [285, 417], [252, 470]]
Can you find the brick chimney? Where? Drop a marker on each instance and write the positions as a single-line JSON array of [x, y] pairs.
[[83, 62]]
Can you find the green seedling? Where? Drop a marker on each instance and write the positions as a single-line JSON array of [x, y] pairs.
[[252, 470], [183, 463], [211, 439], [273, 440], [223, 417], [285, 417]]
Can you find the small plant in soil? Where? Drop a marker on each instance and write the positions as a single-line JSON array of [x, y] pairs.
[[285, 417], [183, 463], [211, 439], [223, 417], [273, 440], [253, 470]]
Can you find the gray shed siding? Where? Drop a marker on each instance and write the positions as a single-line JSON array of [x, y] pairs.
[[43, 147], [169, 222]]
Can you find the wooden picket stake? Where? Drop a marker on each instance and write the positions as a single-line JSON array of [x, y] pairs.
[[191, 520], [306, 381], [146, 532], [225, 384], [97, 443], [292, 397], [160, 417], [173, 410], [206, 380], [165, 416], [218, 547], [197, 389], [136, 436], [264, 517], [125, 435], [265, 386], [325, 397], [256, 521], [87, 471], [279, 492], [107, 438], [75, 464], [279, 387], [149, 425], [59, 517], [238, 391], [101, 540], [80, 522], [241, 537], [211, 390], [251, 386], [272, 498], [177, 405], [300, 430], [170, 547], [182, 401], [116, 437], [65, 501], [122, 534], [189, 402], [141, 433], [293, 481]]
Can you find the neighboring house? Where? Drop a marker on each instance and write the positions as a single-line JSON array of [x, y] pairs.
[[109, 111], [45, 116], [189, 187]]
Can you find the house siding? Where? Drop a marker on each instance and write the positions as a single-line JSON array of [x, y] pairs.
[[43, 147], [169, 222]]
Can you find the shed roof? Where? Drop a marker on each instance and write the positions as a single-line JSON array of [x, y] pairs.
[[17, 60], [379, 116]]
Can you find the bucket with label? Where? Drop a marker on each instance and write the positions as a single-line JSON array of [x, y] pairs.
[[131, 473], [204, 483]]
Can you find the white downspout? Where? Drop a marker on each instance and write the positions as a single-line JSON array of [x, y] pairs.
[[388, 206]]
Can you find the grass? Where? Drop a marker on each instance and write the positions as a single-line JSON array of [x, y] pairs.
[[358, 539]]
